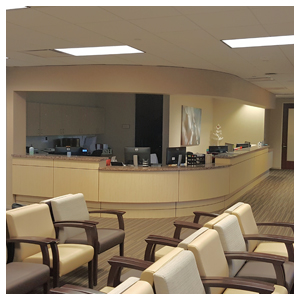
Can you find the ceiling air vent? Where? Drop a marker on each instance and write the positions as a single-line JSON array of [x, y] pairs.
[[263, 78]]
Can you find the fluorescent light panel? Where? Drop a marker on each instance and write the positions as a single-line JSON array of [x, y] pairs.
[[106, 50], [260, 41]]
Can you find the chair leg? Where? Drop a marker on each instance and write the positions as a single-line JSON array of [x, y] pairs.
[[55, 280], [95, 268], [122, 249], [90, 274], [46, 287]]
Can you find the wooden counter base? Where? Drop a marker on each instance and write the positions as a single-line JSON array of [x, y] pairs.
[[141, 192]]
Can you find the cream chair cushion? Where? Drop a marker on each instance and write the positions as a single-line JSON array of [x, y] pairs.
[[71, 257], [272, 248], [133, 285], [244, 214], [231, 238], [147, 275], [140, 287], [248, 225], [162, 252], [185, 243], [69, 207], [18, 225], [278, 290], [210, 258], [179, 276]]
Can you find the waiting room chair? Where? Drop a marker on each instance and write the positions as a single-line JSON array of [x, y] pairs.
[[278, 245], [177, 273], [233, 243], [180, 275], [73, 207], [190, 227], [211, 260], [21, 277], [34, 221], [132, 285]]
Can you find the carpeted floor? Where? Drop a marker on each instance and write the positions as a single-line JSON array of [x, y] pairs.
[[272, 199]]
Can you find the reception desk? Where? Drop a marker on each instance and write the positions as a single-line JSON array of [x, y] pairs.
[[141, 191]]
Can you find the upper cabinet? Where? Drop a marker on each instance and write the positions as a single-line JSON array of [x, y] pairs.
[[32, 119], [54, 119]]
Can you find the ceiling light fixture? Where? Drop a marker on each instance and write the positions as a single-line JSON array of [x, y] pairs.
[[260, 41], [106, 50]]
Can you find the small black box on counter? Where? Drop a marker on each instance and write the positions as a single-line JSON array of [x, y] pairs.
[[195, 159]]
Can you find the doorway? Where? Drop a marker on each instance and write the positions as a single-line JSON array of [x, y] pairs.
[[287, 158], [149, 122]]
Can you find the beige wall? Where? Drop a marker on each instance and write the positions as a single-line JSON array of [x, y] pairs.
[[121, 79], [240, 122]]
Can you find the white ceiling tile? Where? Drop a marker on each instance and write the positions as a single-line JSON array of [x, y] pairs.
[[79, 14], [142, 12], [237, 32], [273, 14], [183, 36], [165, 24], [230, 18]]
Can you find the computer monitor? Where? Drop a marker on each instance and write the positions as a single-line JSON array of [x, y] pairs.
[[173, 154], [218, 149], [143, 153]]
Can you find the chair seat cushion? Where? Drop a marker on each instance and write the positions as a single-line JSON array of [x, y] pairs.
[[71, 257], [278, 290], [22, 278], [162, 252], [272, 248], [107, 238], [265, 272]]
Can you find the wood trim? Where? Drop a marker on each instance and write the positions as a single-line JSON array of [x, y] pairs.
[[284, 163]]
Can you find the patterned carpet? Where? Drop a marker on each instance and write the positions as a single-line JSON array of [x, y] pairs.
[[272, 199]]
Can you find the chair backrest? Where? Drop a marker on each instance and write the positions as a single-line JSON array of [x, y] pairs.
[[209, 255], [133, 285], [147, 275], [231, 238], [30, 220], [246, 220], [67, 208], [180, 275]]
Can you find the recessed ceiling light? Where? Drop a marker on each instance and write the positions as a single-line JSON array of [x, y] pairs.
[[260, 41], [106, 50]]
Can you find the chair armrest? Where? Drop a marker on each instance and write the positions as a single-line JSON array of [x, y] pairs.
[[287, 240], [118, 213], [276, 260], [89, 226], [153, 240], [198, 214], [280, 224], [42, 242], [238, 283], [183, 224], [119, 262], [73, 289]]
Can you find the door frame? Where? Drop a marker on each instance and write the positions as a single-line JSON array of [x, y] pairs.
[[284, 163]]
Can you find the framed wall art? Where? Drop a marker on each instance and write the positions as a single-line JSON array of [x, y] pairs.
[[190, 126]]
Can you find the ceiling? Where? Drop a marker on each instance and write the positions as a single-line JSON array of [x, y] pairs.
[[178, 36]]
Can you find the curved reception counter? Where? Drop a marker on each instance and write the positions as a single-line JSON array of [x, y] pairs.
[[143, 192]]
